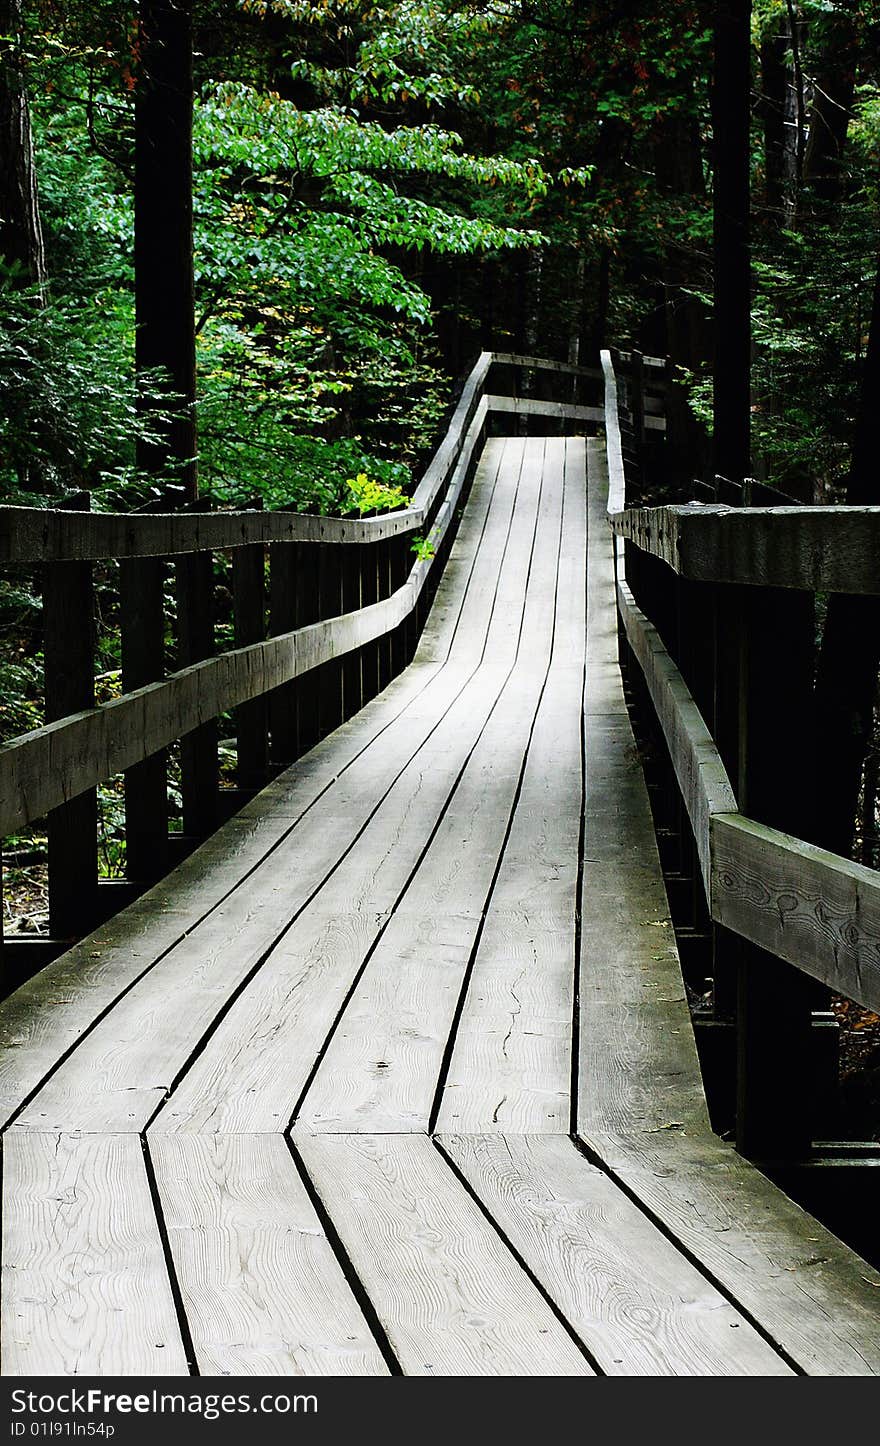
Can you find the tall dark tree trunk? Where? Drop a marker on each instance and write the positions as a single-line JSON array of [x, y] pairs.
[[21, 234], [684, 333], [832, 97], [850, 653], [731, 96], [164, 233], [774, 83]]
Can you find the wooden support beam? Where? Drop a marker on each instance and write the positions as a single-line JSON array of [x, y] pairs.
[[69, 668], [142, 628], [284, 564], [369, 581], [352, 667], [308, 610], [731, 151], [329, 678], [249, 623], [199, 769]]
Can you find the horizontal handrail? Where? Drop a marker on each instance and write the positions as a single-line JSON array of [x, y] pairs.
[[31, 534], [46, 767], [816, 910], [815, 549], [38, 534]]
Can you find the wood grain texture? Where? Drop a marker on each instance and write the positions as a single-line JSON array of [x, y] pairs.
[[819, 911], [451, 1298], [635, 1301], [637, 1055], [817, 549], [813, 1296], [641, 1105], [511, 1063], [122, 1071], [46, 1016], [536, 407], [85, 1286], [702, 777], [263, 1291], [380, 1071], [616, 498], [32, 534], [42, 769]]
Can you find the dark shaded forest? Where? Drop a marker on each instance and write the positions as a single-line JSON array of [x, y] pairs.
[[246, 249]]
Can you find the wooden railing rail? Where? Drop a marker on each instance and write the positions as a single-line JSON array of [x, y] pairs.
[[315, 635], [716, 625]]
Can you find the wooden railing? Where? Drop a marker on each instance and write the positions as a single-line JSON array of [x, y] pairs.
[[717, 633], [335, 617]]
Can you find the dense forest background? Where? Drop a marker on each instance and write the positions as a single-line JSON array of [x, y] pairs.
[[381, 189], [371, 193]]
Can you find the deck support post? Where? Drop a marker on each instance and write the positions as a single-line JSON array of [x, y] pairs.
[[249, 625], [199, 771], [69, 664], [329, 676], [369, 580], [384, 568], [352, 669], [774, 1002], [142, 629], [283, 702]]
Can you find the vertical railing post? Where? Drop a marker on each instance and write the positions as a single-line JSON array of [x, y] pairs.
[[283, 702], [308, 610], [329, 679], [199, 771], [69, 668], [775, 1114], [369, 575], [142, 628], [352, 671], [397, 552], [249, 626], [384, 585]]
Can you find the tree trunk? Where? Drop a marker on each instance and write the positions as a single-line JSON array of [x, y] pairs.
[[731, 96], [164, 285], [832, 97], [774, 82], [21, 234], [850, 654]]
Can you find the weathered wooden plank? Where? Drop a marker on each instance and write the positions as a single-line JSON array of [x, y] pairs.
[[31, 534], [616, 500], [276, 1028], [815, 909], [451, 1298], [631, 994], [85, 1285], [263, 1292], [48, 766], [813, 1296], [633, 1298], [535, 407], [381, 1068], [641, 1106], [826, 549], [543, 364], [701, 775], [121, 1072], [45, 1017], [511, 1063]]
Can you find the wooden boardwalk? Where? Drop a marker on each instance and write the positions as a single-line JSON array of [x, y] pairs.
[[396, 1073]]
